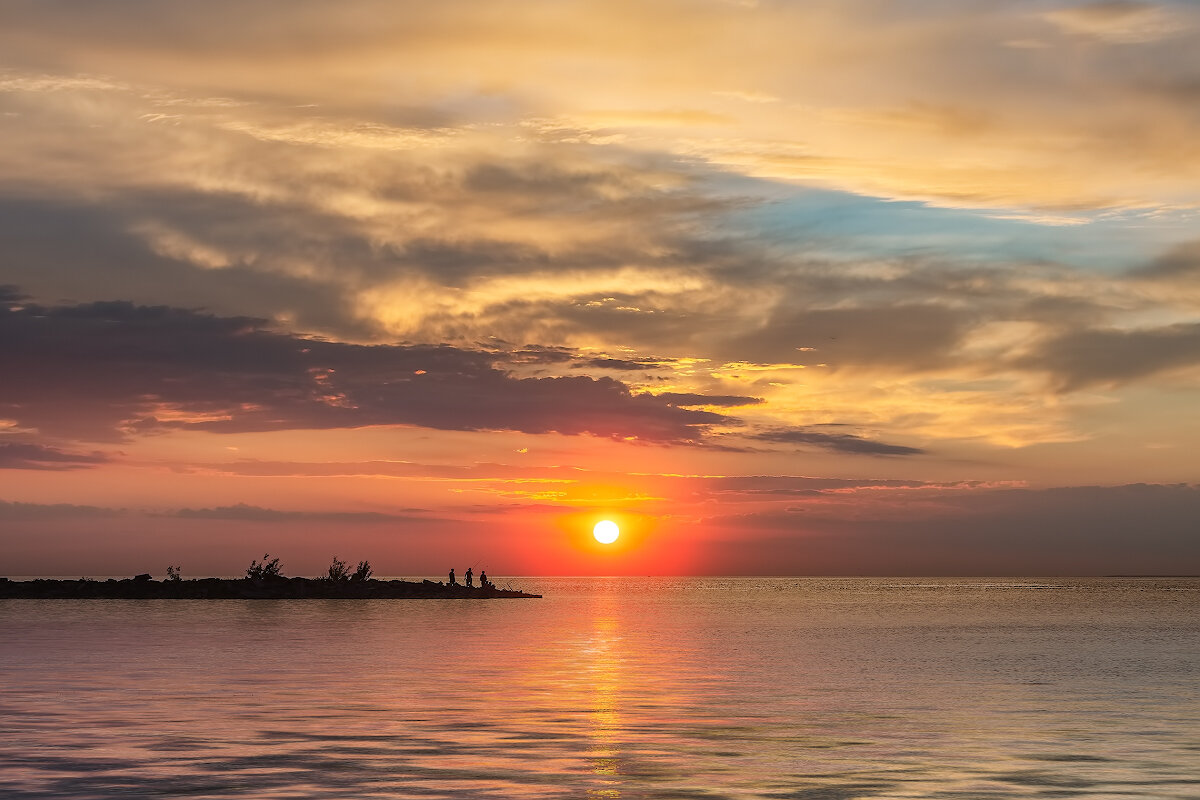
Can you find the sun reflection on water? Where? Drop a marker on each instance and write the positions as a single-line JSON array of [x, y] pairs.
[[605, 669]]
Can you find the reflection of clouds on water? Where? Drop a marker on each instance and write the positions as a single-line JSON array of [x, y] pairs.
[[747, 689]]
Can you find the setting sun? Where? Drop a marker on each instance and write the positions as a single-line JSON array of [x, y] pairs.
[[606, 531]]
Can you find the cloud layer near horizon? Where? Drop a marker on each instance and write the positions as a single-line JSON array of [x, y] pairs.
[[947, 530]]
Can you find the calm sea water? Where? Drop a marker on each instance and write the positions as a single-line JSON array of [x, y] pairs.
[[810, 689]]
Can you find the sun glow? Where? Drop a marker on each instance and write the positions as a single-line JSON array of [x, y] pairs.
[[606, 531]]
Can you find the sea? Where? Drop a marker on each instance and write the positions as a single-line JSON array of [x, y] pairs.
[[681, 688]]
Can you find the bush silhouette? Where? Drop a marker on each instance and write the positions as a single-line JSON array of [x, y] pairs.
[[363, 572], [173, 574], [338, 571], [267, 569]]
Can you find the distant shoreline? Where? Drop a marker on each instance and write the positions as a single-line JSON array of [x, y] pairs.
[[275, 588]]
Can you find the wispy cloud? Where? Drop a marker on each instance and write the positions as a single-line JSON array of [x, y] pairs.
[[40, 511], [1002, 531], [29, 455], [1119, 21], [840, 442], [250, 513]]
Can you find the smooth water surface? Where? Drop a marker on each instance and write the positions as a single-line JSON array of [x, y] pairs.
[[811, 689]]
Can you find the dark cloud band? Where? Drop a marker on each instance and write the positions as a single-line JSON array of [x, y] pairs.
[[103, 370]]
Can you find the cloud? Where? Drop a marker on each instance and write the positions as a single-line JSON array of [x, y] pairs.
[[685, 399], [105, 256], [239, 512], [839, 442], [27, 455], [624, 364], [1117, 21], [101, 369], [36, 511], [250, 513], [396, 469], [783, 485], [1083, 358], [1081, 530], [903, 337], [1180, 263]]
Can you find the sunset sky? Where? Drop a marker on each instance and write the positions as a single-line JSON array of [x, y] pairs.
[[781, 287]]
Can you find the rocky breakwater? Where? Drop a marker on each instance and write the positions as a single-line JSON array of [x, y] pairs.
[[144, 587]]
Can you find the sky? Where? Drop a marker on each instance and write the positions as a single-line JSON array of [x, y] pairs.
[[834, 287]]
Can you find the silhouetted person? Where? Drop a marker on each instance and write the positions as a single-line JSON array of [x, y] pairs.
[[469, 577], [483, 581], [452, 581]]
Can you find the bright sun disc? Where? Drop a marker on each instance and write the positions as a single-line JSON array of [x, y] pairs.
[[606, 531]]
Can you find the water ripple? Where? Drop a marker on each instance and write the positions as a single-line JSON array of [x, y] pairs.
[[778, 689]]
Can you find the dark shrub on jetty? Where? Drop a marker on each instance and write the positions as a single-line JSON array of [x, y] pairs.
[[265, 570]]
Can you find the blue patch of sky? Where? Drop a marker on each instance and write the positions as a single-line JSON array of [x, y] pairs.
[[833, 224]]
